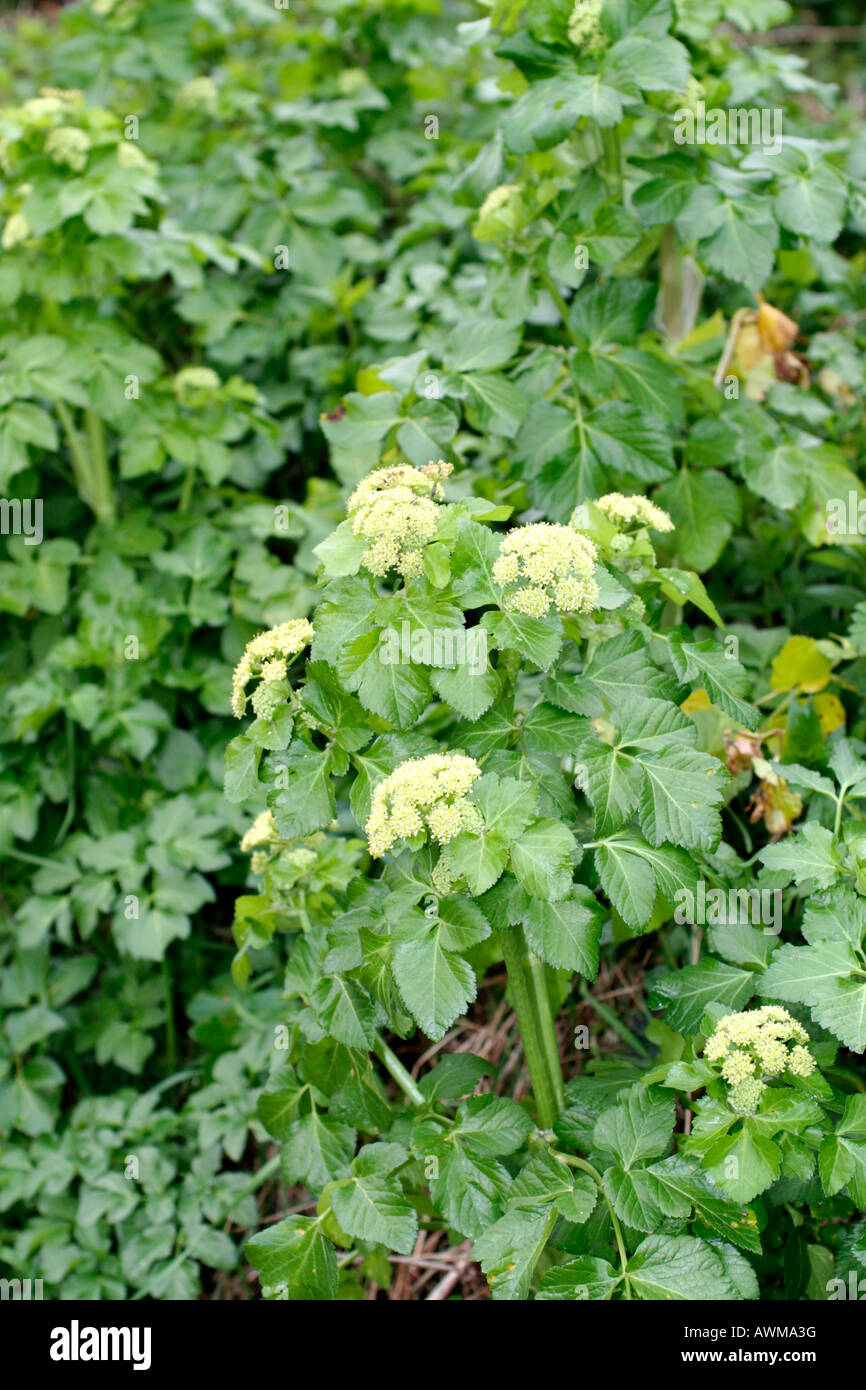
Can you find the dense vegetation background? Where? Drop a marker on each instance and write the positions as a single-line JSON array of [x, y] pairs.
[[246, 252]]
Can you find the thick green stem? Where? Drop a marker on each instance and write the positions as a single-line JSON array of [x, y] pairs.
[[391, 1062], [528, 992], [89, 461], [103, 490]]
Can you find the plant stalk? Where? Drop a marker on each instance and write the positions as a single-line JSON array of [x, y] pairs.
[[528, 991], [392, 1064]]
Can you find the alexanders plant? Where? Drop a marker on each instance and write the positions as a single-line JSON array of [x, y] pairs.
[[523, 812]]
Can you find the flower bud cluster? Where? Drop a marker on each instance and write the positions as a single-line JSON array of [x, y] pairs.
[[423, 796], [262, 831], [396, 510], [754, 1045], [267, 656], [635, 509], [547, 564]]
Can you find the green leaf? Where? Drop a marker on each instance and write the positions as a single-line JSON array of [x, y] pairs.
[[689, 991], [306, 802], [543, 859], [437, 984], [639, 1127], [480, 859], [705, 507], [492, 1125], [340, 553], [812, 203], [682, 1268], [467, 1190], [630, 885], [345, 1011], [587, 1278], [566, 934], [242, 761], [829, 974], [317, 1150], [482, 344], [374, 1208], [398, 691], [808, 856], [469, 692], [537, 639], [744, 1164], [296, 1252], [724, 679]]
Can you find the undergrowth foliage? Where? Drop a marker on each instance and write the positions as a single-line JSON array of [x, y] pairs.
[[482, 385]]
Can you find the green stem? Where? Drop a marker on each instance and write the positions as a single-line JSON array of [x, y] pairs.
[[611, 163], [613, 1021], [104, 500], [392, 1064], [581, 1163], [528, 992], [547, 1029], [77, 453], [89, 461], [258, 1179], [553, 290]]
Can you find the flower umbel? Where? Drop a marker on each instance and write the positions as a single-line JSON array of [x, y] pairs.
[[423, 795], [548, 564], [396, 510], [628, 510], [754, 1046], [261, 832], [583, 23], [267, 655]]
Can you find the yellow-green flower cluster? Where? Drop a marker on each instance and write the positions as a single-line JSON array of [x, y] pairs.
[[261, 832], [626, 510], [267, 656], [66, 144], [423, 795], [550, 564], [583, 24], [396, 510], [754, 1045]]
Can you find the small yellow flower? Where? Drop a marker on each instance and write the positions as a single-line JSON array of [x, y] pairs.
[[17, 229], [551, 565], [396, 509], [261, 832], [754, 1045], [618, 508], [737, 1066], [746, 1095], [801, 1062], [583, 26], [281, 642], [423, 794], [67, 144]]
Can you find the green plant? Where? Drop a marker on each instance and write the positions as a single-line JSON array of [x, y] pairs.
[[509, 809], [248, 256]]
